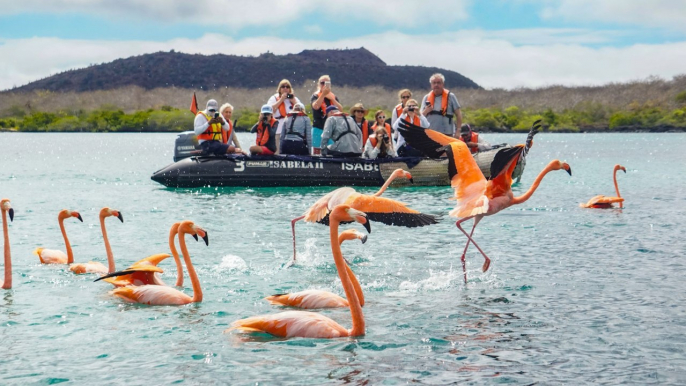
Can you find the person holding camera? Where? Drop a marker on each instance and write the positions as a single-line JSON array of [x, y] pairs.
[[379, 144], [411, 114], [320, 101], [282, 103], [358, 113], [295, 137], [265, 143], [346, 136], [442, 108], [213, 131], [404, 95]]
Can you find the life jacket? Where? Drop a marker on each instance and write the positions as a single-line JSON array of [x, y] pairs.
[[263, 132], [293, 117], [226, 135], [475, 139], [282, 107], [366, 131], [416, 121], [326, 102], [213, 133], [444, 104], [347, 124], [399, 110], [388, 131]]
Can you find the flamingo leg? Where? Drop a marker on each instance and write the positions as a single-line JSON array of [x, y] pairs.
[[464, 268], [487, 262], [293, 230]]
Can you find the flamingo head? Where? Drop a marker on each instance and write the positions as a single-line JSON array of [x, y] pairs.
[[65, 214], [404, 174], [350, 234], [346, 213], [6, 207], [620, 167], [107, 212], [559, 165], [194, 230]]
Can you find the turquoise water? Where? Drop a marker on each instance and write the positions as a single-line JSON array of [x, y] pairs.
[[573, 296]]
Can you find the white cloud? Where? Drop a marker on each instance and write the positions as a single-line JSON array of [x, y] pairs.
[[237, 14], [487, 58], [652, 13]]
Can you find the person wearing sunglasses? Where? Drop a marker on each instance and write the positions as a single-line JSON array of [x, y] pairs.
[[404, 95], [320, 101], [358, 113], [282, 104], [441, 108], [379, 144], [213, 131], [412, 115]]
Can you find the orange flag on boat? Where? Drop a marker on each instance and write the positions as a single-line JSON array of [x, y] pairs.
[[194, 105]]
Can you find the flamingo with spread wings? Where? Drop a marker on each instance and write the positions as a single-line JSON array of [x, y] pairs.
[[384, 210], [309, 299], [307, 324], [605, 202], [477, 197], [6, 208]]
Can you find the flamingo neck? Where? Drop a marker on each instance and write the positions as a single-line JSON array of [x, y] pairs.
[[7, 284], [70, 254], [177, 260], [110, 256], [197, 291], [386, 185], [534, 186], [614, 177], [356, 284], [341, 266]]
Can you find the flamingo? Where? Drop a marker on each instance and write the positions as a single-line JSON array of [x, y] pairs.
[[377, 208], [6, 208], [159, 295], [146, 271], [93, 266], [53, 256], [476, 197], [307, 324], [323, 299], [605, 202]]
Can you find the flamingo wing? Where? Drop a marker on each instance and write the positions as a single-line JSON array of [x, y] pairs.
[[292, 324], [50, 256], [89, 267], [321, 208], [425, 140], [154, 295], [308, 299], [467, 181], [389, 211]]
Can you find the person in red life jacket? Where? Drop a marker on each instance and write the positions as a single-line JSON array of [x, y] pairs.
[[212, 131], [296, 137], [358, 113], [265, 143], [404, 95], [226, 111], [410, 114], [473, 139], [346, 136], [320, 100], [282, 104], [379, 144], [441, 108]]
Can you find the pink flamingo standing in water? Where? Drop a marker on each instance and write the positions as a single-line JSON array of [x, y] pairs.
[[6, 208], [605, 202], [307, 324]]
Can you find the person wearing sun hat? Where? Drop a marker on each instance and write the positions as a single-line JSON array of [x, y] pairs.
[[265, 143], [346, 136]]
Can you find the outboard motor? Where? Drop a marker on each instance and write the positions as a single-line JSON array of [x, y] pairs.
[[186, 145]]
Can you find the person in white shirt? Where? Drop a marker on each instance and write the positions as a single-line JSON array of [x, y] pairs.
[[410, 114], [282, 104], [379, 145], [404, 95]]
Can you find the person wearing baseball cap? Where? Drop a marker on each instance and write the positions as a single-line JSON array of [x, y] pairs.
[[472, 139], [213, 131], [265, 143]]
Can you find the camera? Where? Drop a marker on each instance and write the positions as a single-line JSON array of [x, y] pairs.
[[427, 103], [327, 84], [216, 115], [411, 108], [385, 138], [289, 96]]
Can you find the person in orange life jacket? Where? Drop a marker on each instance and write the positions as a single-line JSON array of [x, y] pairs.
[[320, 100], [226, 111], [380, 121], [265, 143], [441, 108], [212, 130], [347, 137], [296, 137], [358, 112], [473, 139], [404, 95], [282, 104], [410, 114], [379, 144]]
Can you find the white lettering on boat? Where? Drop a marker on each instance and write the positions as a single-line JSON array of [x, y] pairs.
[[185, 147], [359, 166], [296, 165], [240, 166], [257, 164]]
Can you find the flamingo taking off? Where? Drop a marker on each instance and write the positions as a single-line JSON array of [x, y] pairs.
[[385, 210], [309, 299], [307, 324], [158, 295], [477, 197], [6, 208], [97, 267], [605, 202], [53, 256], [146, 271]]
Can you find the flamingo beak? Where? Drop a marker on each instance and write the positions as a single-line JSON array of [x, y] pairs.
[[568, 169], [11, 212], [207, 239], [78, 215], [623, 169], [411, 180], [120, 217], [367, 225], [195, 237], [363, 239]]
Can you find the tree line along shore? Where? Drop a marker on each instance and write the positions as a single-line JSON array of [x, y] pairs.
[[652, 104]]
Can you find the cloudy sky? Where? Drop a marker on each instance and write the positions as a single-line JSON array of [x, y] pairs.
[[496, 43]]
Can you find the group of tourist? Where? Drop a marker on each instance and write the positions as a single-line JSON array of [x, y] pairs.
[[285, 128]]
